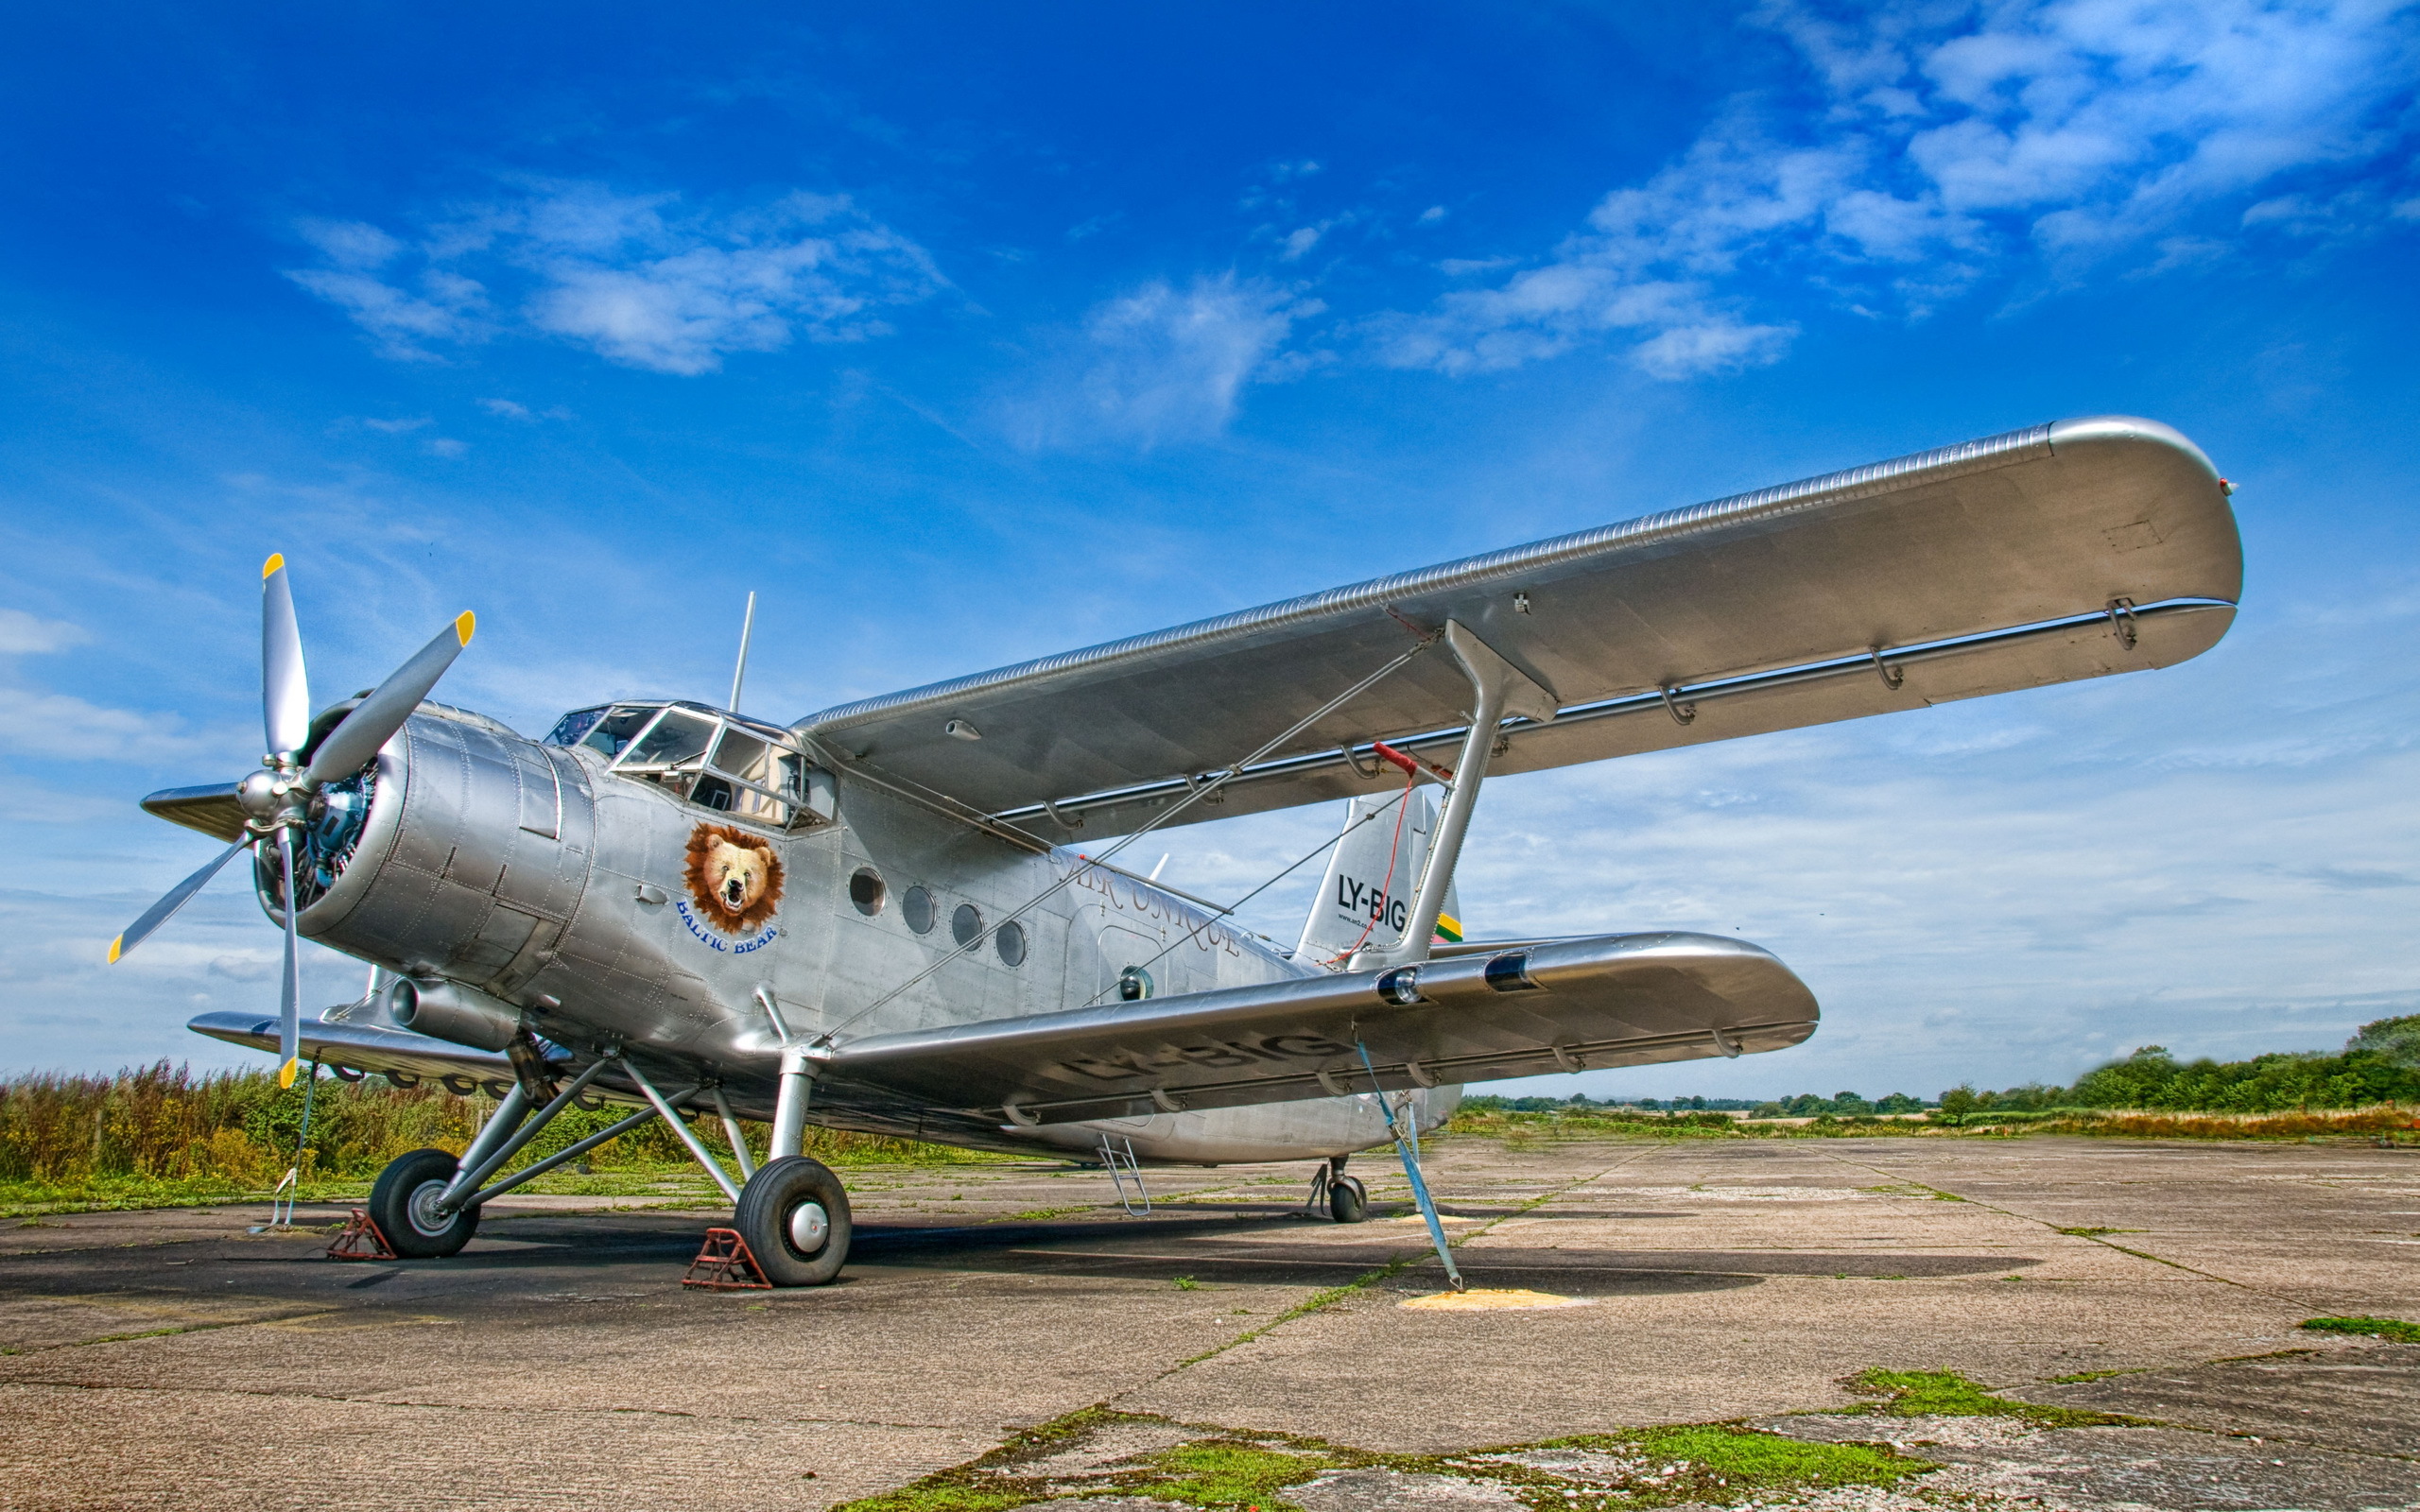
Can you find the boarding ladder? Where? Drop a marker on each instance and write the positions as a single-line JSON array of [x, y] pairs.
[[1118, 1158]]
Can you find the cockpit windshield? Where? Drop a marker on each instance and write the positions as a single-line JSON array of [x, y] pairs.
[[715, 760]]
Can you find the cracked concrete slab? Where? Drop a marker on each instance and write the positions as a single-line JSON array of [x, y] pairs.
[[1740, 1278]]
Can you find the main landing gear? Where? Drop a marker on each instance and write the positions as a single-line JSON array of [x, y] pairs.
[[1343, 1197], [792, 1213]]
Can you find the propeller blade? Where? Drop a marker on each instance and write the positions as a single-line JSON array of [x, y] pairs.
[[286, 692], [289, 1023], [177, 898], [374, 721]]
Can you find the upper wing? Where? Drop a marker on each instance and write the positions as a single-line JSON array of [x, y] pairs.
[[2064, 551], [1608, 1000]]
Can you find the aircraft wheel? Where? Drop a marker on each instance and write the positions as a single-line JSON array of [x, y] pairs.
[[794, 1214], [403, 1202], [1348, 1200]]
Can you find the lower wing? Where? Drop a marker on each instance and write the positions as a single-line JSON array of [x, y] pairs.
[[1585, 1003]]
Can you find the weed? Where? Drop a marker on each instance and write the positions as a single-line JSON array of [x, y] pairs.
[[1947, 1394], [1186, 1283], [2095, 1233], [2375, 1328]]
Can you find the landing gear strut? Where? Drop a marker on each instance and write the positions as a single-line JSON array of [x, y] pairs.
[[1343, 1197]]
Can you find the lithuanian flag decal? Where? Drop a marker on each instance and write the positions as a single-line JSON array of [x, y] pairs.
[[1449, 929]]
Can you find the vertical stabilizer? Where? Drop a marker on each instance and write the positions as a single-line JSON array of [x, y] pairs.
[[1365, 899]]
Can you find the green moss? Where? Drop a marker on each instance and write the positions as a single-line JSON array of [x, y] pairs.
[[2376, 1328], [1233, 1470], [1721, 1463], [1224, 1472], [1947, 1394]]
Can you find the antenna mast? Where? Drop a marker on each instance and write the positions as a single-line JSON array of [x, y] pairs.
[[740, 672]]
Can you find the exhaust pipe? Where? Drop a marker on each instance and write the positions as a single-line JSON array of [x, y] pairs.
[[448, 1010]]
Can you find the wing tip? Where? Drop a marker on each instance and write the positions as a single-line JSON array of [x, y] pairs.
[[275, 566], [117, 948], [285, 1072], [464, 623]]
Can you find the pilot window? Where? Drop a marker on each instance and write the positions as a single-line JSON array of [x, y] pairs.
[[676, 738], [613, 733], [710, 759]]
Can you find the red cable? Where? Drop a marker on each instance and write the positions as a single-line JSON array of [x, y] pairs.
[[1402, 806]]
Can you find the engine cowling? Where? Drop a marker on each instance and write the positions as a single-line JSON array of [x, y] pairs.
[[461, 853]]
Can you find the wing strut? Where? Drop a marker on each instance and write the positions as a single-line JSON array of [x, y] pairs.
[[1408, 1147], [1500, 688]]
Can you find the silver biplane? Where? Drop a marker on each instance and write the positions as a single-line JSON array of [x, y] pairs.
[[902, 916]]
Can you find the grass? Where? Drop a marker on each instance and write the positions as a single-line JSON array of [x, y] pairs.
[[1947, 1394], [1721, 1464], [1233, 1470], [2384, 1123], [2375, 1328]]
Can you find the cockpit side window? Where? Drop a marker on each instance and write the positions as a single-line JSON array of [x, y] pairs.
[[677, 739], [613, 733]]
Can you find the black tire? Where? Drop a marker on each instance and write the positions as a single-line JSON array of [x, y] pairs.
[[773, 1197], [399, 1204], [1348, 1200]]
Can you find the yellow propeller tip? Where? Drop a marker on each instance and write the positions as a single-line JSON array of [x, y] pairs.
[[285, 1072], [275, 565], [116, 946], [464, 623]]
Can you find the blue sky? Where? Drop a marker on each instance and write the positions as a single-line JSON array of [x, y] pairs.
[[981, 333]]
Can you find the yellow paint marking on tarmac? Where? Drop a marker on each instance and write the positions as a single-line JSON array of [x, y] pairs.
[[1485, 1299]]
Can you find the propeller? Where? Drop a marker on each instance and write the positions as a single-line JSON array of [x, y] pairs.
[[279, 798]]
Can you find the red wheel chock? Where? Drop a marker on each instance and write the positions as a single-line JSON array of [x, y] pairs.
[[726, 1264], [361, 1240]]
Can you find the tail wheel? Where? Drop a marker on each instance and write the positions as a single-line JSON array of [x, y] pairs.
[[1348, 1200], [794, 1214], [403, 1202]]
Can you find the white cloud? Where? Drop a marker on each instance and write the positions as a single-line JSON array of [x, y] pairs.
[[635, 278], [23, 634], [37, 723], [1952, 141], [1162, 364], [398, 427], [507, 410]]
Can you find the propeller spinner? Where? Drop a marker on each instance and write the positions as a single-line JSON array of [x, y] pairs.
[[284, 796]]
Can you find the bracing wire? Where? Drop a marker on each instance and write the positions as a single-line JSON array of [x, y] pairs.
[[1076, 870], [1316, 849]]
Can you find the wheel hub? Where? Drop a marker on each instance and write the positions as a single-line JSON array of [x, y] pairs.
[[809, 1227], [424, 1211]]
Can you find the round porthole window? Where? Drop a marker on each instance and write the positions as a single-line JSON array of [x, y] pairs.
[[1133, 983], [866, 890], [1009, 942], [965, 924], [916, 906]]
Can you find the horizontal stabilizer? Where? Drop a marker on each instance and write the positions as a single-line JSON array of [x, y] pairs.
[[1601, 1001], [363, 1047]]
